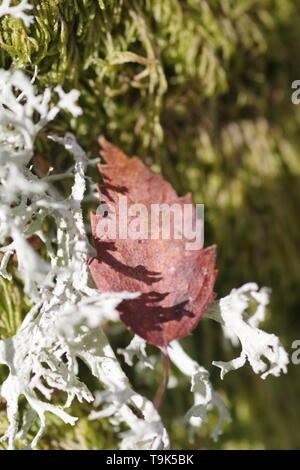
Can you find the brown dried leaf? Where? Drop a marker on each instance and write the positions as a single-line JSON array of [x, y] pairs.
[[176, 285]]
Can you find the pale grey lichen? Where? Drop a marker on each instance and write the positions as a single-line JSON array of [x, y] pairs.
[[137, 347], [262, 350], [18, 11], [205, 397]]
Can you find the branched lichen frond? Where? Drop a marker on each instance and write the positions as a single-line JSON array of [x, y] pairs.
[[205, 397], [17, 11], [262, 350]]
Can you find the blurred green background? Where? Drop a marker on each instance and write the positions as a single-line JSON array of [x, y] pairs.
[[201, 90]]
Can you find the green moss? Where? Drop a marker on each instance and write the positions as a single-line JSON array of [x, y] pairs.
[[13, 307]]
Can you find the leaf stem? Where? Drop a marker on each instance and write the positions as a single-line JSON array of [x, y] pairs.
[[159, 396]]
